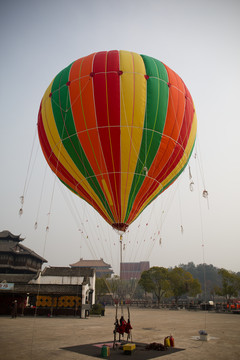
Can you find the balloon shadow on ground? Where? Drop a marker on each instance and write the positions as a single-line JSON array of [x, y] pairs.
[[140, 353]]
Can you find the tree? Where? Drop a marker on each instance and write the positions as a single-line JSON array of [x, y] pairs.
[[101, 288], [155, 281], [207, 275], [230, 284], [182, 283]]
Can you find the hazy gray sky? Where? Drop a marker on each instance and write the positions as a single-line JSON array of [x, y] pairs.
[[197, 39]]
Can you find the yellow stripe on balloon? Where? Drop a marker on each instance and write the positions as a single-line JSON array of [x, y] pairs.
[[59, 150], [107, 192], [179, 166], [133, 104]]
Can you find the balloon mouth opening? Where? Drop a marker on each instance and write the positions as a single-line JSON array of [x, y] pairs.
[[120, 226]]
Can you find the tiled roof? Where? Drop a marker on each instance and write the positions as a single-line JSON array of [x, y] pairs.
[[90, 263], [17, 278], [67, 271], [12, 244], [5, 234], [47, 289]]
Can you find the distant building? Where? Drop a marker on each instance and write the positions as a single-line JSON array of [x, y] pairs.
[[102, 269], [133, 270]]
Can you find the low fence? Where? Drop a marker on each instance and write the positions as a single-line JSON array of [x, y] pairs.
[[217, 307]]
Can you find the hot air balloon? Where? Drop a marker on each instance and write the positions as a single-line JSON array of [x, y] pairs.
[[117, 128]]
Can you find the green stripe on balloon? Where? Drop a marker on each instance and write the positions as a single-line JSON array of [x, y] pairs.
[[155, 117]]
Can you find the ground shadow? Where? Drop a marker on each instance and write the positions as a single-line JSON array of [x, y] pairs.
[[140, 352]]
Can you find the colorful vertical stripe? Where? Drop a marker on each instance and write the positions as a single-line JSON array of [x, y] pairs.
[[117, 128]]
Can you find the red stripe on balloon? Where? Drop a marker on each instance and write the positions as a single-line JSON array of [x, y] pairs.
[[107, 105]]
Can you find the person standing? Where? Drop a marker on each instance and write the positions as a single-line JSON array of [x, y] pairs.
[[14, 309]]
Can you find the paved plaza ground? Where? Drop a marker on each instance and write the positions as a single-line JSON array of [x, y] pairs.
[[41, 338]]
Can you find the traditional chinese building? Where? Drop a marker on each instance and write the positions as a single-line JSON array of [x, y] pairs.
[[15, 258], [18, 266], [53, 291], [102, 269]]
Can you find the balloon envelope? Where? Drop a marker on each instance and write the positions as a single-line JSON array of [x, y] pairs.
[[117, 128]]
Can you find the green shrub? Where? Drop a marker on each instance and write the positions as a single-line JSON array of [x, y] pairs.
[[96, 309]]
